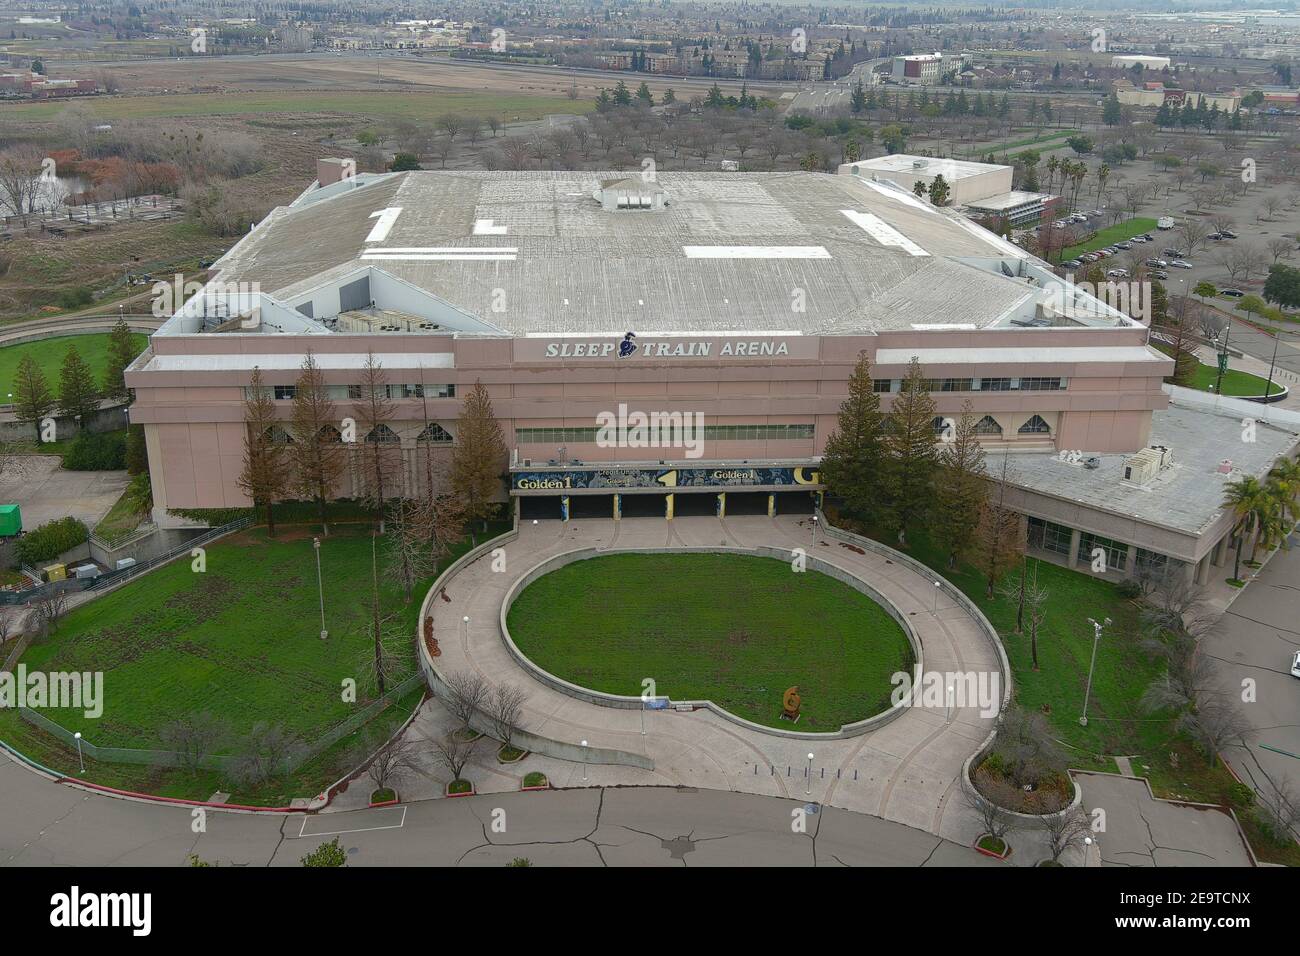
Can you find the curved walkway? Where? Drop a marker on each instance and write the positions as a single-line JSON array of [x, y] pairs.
[[907, 771]]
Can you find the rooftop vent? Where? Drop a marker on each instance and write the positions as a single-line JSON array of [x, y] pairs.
[[920, 163], [631, 192], [1141, 467]]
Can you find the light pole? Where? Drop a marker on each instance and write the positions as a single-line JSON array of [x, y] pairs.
[[320, 588], [947, 710], [814, 528], [938, 585], [80, 761], [808, 790], [1268, 389], [1096, 639], [584, 760]]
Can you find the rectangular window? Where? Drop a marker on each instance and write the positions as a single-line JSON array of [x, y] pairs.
[[1116, 553], [882, 385], [285, 392], [1041, 384], [1050, 536], [995, 385]]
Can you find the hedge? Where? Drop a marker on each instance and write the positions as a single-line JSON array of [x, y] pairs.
[[50, 540], [105, 452]]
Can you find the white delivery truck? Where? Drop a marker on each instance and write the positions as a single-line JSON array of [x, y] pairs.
[[1165, 222]]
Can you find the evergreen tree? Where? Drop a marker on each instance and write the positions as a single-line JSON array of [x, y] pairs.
[[77, 396], [478, 458], [914, 459], [962, 488], [381, 450], [939, 190], [1110, 112], [33, 400], [854, 460], [121, 353]]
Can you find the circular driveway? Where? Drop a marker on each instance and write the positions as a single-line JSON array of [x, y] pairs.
[[906, 771]]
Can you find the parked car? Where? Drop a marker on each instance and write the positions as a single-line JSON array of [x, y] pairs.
[[1216, 237], [1157, 263], [1074, 263], [1117, 274], [1090, 257], [1137, 239], [1181, 264], [1228, 234], [1123, 245], [1295, 664], [1159, 274], [1232, 293], [1174, 253]]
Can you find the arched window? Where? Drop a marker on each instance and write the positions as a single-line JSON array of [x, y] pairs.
[[381, 434], [276, 435], [940, 424], [329, 435], [435, 434], [1036, 426], [988, 425]]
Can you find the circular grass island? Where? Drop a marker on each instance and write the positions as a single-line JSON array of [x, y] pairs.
[[731, 628]]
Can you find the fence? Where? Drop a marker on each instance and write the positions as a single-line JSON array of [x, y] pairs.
[[112, 579], [224, 762]]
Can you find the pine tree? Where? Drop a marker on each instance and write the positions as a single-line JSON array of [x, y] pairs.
[[962, 488], [914, 459], [121, 353], [853, 463], [77, 396], [999, 542], [33, 400], [265, 476], [317, 450], [479, 456]]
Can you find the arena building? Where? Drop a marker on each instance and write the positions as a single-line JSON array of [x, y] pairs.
[[731, 306]]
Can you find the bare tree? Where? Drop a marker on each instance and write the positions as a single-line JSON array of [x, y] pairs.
[[466, 693], [1278, 811], [451, 124], [395, 758], [1216, 723], [991, 804], [380, 448], [21, 169], [453, 753], [1064, 830], [1192, 232], [48, 610], [195, 737], [268, 750], [1281, 248], [504, 707]]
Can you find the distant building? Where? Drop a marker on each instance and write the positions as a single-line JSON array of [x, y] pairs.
[[967, 181], [1126, 61]]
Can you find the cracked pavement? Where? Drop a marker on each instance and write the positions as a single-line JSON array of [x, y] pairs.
[[49, 824]]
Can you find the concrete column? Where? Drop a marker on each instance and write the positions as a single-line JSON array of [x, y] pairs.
[[771, 506], [1075, 535], [1203, 570], [1219, 556], [722, 504], [564, 507], [668, 507], [1131, 562], [618, 507]]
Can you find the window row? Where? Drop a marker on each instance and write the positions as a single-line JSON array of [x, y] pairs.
[[379, 435], [988, 425], [886, 386], [358, 393], [578, 435]]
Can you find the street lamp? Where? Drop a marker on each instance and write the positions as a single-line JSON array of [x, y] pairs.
[[814, 527], [82, 762], [947, 708], [584, 757], [809, 788], [1096, 639], [938, 585], [320, 588]]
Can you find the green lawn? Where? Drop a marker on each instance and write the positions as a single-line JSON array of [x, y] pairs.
[[1235, 382], [48, 355], [734, 629], [1109, 236], [241, 640], [120, 521]]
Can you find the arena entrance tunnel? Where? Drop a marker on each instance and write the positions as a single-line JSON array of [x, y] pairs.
[[694, 505]]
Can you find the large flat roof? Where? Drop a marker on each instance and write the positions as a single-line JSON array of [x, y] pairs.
[[1187, 496], [532, 253], [952, 169]]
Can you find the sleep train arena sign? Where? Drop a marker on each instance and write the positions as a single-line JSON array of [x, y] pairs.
[[614, 479]]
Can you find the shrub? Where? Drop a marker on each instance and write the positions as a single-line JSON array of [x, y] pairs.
[[106, 452], [75, 298], [50, 540], [1241, 795], [1129, 589], [327, 854]]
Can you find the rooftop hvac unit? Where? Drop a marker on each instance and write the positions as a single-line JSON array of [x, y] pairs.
[[920, 163], [1225, 466], [1141, 467]]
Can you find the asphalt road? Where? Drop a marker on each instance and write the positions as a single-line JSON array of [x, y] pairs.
[[1255, 639], [47, 824]]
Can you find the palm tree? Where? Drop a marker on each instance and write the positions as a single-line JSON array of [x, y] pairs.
[[1053, 164], [1249, 500]]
